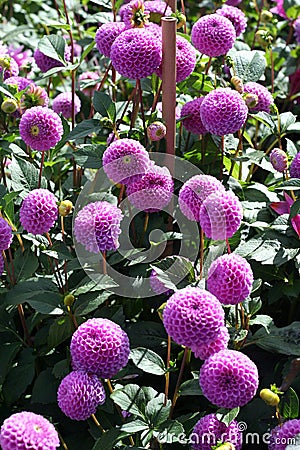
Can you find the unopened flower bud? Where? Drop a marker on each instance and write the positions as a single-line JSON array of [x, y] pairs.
[[180, 17], [238, 84], [251, 100], [269, 397], [65, 208], [279, 159], [5, 62], [161, 310], [69, 299], [156, 131], [263, 38], [9, 105], [266, 16]]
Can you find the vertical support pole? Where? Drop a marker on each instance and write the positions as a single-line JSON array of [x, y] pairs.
[[173, 5]]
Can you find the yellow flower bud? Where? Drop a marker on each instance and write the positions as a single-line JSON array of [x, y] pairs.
[[238, 84], [65, 208], [69, 299], [269, 397]]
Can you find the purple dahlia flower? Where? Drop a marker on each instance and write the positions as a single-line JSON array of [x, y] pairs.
[[46, 63], [230, 279], [156, 131], [39, 211], [124, 159], [134, 14], [220, 215], [236, 17], [12, 70], [6, 235], [157, 286], [21, 82], [26, 430], [265, 99], [136, 53], [223, 111], [157, 9], [279, 160], [295, 167], [282, 436], [63, 104], [204, 351], [209, 431], [106, 34], [41, 128], [79, 394], [229, 379], [151, 191], [154, 29], [88, 77], [233, 2], [193, 122], [193, 316], [193, 193], [185, 59], [213, 35], [97, 226], [100, 346]]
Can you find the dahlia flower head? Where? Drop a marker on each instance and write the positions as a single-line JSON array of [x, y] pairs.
[[193, 316], [6, 235], [213, 34], [279, 160], [204, 351], [97, 226], [152, 191], [22, 58], [46, 63], [41, 128], [134, 14], [79, 394], [265, 99], [62, 104], [106, 34], [209, 431], [193, 193], [156, 131], [282, 435], [185, 59], [88, 77], [233, 2], [295, 167], [155, 29], [221, 215], [230, 279], [124, 159], [229, 379], [21, 82], [158, 286], [39, 211], [26, 430], [11, 67], [236, 17], [193, 122], [157, 9], [223, 111], [297, 30], [99, 346], [136, 53], [33, 95]]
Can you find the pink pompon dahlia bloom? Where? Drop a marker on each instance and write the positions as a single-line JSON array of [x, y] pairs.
[[204, 351], [279, 160], [284, 434], [134, 14], [39, 211], [213, 35], [156, 131], [79, 394], [9, 67], [295, 166], [41, 128], [21, 82], [6, 235], [63, 104], [99, 346], [27, 430], [193, 316], [106, 34], [236, 17], [297, 30], [97, 226], [229, 379], [46, 63], [157, 9], [265, 99], [191, 119]]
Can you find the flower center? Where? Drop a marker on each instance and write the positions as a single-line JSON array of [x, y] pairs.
[[34, 130], [127, 159], [37, 428]]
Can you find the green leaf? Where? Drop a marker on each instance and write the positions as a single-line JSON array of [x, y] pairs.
[[156, 410], [53, 46], [249, 64], [8, 351], [148, 361], [286, 119], [225, 416], [60, 330], [24, 177], [289, 405], [290, 185], [134, 426], [190, 387], [295, 209], [175, 272], [131, 398], [109, 439], [42, 395], [104, 105], [90, 301], [170, 432], [25, 264], [262, 319], [285, 340], [88, 285], [87, 50], [90, 156], [83, 129]]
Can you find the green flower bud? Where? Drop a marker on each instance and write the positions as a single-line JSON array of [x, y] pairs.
[[9, 105], [251, 100], [69, 299], [266, 16]]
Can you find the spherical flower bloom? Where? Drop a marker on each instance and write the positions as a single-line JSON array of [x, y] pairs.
[[39, 211], [9, 65], [193, 317], [157, 9], [1, 265], [236, 17], [229, 379], [193, 122], [213, 35], [152, 191], [41, 128], [79, 394], [136, 53], [156, 285], [63, 104], [233, 2], [6, 235], [265, 99], [100, 346], [185, 59], [156, 131], [125, 158], [208, 431], [97, 226], [223, 111], [230, 279], [26, 430], [204, 351], [220, 215], [155, 29], [295, 167], [88, 78], [279, 159], [297, 30], [134, 14], [106, 34], [283, 434], [21, 82], [193, 193], [46, 63]]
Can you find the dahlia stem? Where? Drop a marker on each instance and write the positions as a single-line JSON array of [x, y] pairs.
[[98, 424], [145, 228], [222, 157], [135, 108], [62, 223], [140, 91], [201, 252], [3, 176], [175, 396], [62, 441], [104, 266], [104, 77], [72, 317], [183, 12], [272, 70], [168, 373], [156, 98], [228, 246], [41, 169], [208, 66], [121, 194]]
